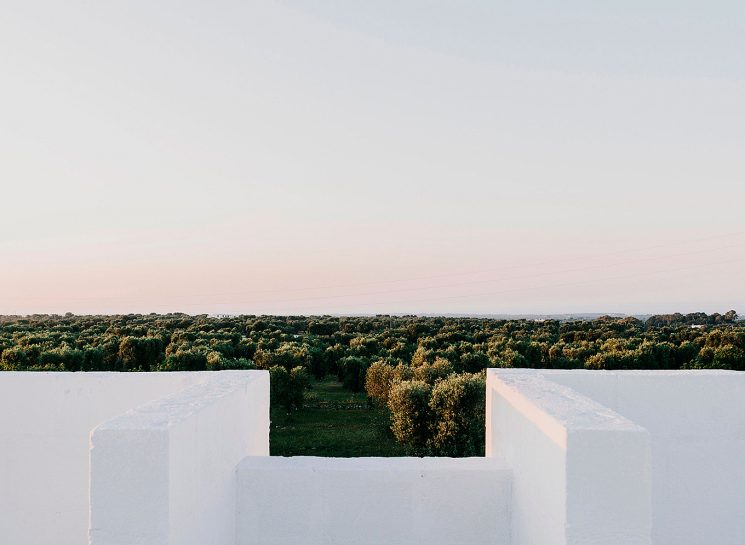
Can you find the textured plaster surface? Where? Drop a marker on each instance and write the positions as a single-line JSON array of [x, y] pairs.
[[572, 458], [370, 501], [581, 470], [696, 421], [45, 423], [181, 484]]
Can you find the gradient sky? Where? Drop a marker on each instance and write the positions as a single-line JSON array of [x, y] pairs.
[[321, 156]]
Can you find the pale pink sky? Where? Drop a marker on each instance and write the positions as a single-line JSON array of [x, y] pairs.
[[265, 158]]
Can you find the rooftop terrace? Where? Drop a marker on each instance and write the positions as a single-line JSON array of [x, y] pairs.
[[573, 458]]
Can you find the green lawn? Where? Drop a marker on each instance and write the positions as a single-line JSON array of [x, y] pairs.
[[333, 422]]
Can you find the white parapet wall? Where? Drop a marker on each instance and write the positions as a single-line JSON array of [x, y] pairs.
[[45, 424], [621, 457], [572, 458], [582, 473], [373, 501], [165, 473], [696, 420], [45, 427]]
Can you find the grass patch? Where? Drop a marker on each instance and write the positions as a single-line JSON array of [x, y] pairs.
[[333, 422]]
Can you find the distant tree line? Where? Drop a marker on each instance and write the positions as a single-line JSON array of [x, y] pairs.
[[428, 372]]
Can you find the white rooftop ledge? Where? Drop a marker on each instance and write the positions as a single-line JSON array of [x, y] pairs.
[[164, 473], [45, 424], [573, 458], [373, 501], [673, 446]]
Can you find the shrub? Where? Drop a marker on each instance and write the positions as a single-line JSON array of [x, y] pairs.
[[287, 355], [687, 352], [288, 387], [616, 359], [242, 364], [378, 380], [472, 362], [402, 372], [214, 361], [510, 358], [61, 359], [185, 360], [724, 357], [217, 362], [301, 379], [319, 364], [410, 413], [140, 353], [93, 359], [729, 357], [432, 372], [15, 359], [381, 376], [421, 355], [457, 405], [352, 372]]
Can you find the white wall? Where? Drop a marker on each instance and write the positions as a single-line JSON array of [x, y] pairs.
[[165, 473], [582, 473], [45, 422], [697, 424], [373, 501], [573, 458]]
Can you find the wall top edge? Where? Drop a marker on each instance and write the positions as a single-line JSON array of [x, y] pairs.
[[172, 409], [402, 463], [555, 407], [620, 372], [83, 375]]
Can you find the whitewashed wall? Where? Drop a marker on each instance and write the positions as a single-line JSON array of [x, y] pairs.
[[45, 423], [573, 458], [165, 473], [696, 420], [373, 501], [582, 473]]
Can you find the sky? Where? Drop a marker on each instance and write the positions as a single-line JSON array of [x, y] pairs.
[[350, 157]]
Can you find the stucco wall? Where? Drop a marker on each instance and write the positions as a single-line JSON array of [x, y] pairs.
[[45, 423], [696, 420], [573, 458], [582, 472], [373, 501], [165, 473]]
